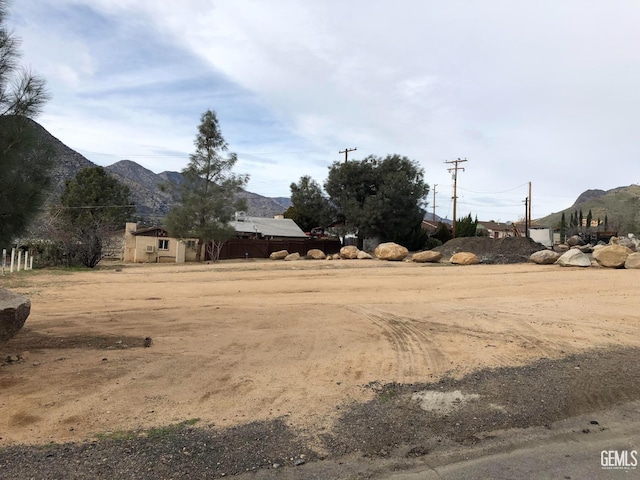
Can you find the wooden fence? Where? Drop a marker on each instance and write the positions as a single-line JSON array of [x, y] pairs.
[[262, 248]]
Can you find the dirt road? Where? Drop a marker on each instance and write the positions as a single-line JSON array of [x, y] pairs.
[[239, 342]]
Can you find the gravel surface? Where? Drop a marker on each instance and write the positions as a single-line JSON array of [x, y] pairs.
[[390, 432], [493, 251]]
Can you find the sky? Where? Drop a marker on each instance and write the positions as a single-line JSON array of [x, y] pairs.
[[546, 92]]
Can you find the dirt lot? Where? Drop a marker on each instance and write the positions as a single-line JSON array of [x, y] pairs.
[[269, 363]]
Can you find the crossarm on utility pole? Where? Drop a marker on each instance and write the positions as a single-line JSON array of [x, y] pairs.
[[346, 153]]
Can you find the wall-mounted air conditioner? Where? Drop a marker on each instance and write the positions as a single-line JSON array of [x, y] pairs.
[[151, 249]]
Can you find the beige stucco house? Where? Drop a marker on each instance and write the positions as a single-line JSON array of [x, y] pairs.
[[154, 245]]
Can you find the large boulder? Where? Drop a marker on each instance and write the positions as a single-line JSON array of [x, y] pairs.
[[350, 252], [391, 251], [575, 240], [632, 261], [464, 258], [574, 258], [279, 255], [428, 256], [14, 310], [561, 248], [292, 256], [544, 257], [316, 254], [612, 256], [627, 242]]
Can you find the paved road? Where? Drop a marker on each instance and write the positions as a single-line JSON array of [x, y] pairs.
[[567, 453]]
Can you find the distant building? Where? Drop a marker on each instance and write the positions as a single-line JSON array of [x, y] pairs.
[[495, 230], [154, 245], [144, 244], [270, 228]]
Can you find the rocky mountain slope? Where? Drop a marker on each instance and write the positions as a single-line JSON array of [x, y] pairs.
[[620, 205], [151, 201]]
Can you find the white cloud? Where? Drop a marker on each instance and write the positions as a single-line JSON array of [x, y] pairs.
[[541, 91]]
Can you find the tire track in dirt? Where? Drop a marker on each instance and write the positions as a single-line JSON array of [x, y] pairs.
[[416, 352], [521, 332]]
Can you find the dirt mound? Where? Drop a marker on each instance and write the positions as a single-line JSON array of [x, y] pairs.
[[489, 250]]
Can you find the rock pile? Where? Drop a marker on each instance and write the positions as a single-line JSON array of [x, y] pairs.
[[490, 250], [349, 252], [619, 253]]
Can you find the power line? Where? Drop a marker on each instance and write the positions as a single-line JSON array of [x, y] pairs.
[[493, 193]]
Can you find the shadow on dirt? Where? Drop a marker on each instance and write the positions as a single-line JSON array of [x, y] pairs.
[[402, 425], [30, 340]]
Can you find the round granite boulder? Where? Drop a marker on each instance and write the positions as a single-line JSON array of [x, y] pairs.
[[14, 310]]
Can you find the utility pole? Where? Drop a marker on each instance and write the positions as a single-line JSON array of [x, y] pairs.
[[434, 202], [346, 153], [455, 187], [526, 217], [529, 202]]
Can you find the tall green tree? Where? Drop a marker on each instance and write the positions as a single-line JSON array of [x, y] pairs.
[[466, 227], [310, 208], [580, 219], [563, 228], [209, 194], [383, 197], [93, 206], [589, 218], [25, 162], [443, 232]]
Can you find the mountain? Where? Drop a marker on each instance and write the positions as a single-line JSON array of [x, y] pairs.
[[620, 205], [67, 161], [284, 201], [144, 185], [151, 201], [437, 219]]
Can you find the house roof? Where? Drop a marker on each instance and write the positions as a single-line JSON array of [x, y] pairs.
[[151, 232], [496, 226], [268, 227]]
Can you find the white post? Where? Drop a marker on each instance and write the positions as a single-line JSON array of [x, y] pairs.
[[4, 260], [26, 256], [31, 263], [19, 260], [13, 257]]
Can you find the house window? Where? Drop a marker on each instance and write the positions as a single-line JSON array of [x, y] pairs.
[[191, 244], [163, 244]]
